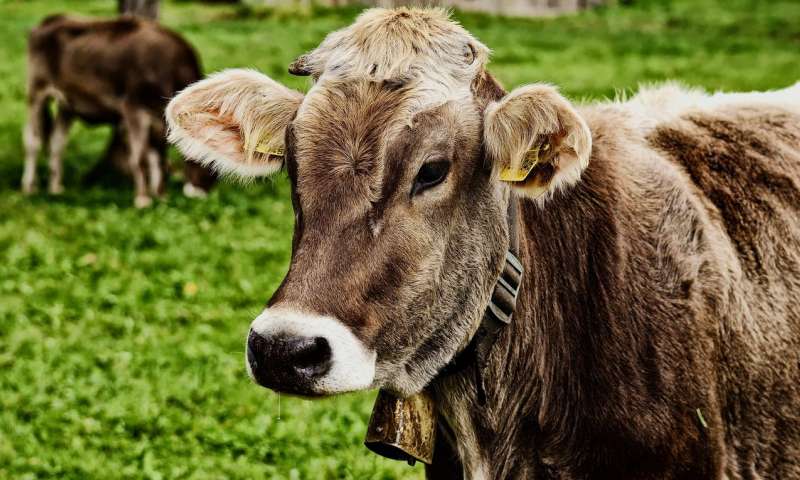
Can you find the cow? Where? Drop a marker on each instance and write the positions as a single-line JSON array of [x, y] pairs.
[[121, 71], [656, 333]]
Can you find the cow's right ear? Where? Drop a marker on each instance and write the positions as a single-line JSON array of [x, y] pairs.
[[234, 121]]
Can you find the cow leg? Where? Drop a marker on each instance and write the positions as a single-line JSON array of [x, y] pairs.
[[33, 137], [58, 140], [155, 173], [157, 158], [137, 124]]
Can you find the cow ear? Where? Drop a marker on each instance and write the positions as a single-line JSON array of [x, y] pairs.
[[536, 139], [234, 121]]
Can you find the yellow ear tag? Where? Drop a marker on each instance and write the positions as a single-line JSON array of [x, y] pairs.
[[263, 147], [509, 174]]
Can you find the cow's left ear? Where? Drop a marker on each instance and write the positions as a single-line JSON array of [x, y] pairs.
[[234, 121], [536, 139]]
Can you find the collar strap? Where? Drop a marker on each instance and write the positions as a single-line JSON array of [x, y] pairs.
[[498, 314], [504, 297]]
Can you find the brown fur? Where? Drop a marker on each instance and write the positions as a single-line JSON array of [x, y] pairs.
[[119, 71]]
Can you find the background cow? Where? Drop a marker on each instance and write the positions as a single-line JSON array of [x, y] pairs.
[[121, 72], [657, 333]]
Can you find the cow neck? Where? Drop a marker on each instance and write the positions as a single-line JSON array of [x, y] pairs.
[[499, 312]]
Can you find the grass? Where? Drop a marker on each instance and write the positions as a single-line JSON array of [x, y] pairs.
[[121, 331]]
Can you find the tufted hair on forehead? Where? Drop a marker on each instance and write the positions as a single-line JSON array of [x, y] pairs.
[[342, 131], [400, 43]]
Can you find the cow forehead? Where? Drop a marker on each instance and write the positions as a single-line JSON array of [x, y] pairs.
[[341, 140], [355, 141], [341, 136]]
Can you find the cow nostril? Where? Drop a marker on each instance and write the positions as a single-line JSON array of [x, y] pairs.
[[312, 352]]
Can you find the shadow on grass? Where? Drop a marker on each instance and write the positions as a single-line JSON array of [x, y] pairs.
[[117, 192]]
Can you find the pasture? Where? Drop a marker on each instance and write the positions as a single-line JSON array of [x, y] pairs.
[[122, 331]]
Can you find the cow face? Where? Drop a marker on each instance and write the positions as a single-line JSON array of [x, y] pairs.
[[400, 219]]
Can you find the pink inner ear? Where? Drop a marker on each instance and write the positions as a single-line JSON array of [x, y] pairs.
[[220, 134]]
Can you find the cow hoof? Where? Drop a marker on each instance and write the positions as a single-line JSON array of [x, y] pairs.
[[29, 186], [193, 192], [142, 202], [56, 189]]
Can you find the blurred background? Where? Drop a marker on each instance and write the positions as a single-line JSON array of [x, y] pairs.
[[122, 330]]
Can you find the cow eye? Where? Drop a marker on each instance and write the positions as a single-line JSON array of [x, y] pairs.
[[430, 175]]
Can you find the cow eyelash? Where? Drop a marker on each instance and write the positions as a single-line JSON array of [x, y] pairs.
[[430, 174]]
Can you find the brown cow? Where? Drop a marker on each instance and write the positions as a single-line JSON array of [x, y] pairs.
[[657, 331], [121, 71]]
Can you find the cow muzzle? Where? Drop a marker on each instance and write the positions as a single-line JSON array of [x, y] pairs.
[[306, 354], [287, 363]]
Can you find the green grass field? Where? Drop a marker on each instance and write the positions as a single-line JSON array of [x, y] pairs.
[[122, 331]]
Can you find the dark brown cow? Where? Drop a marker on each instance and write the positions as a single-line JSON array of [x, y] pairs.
[[122, 72], [657, 331]]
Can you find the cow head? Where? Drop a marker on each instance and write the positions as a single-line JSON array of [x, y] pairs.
[[400, 219]]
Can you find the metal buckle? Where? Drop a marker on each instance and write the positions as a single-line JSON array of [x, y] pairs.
[[506, 290]]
